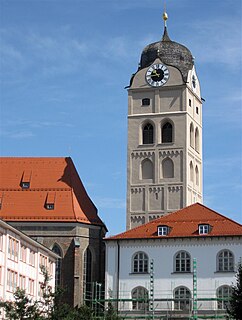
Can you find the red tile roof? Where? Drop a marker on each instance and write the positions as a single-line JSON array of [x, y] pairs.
[[184, 223], [51, 181]]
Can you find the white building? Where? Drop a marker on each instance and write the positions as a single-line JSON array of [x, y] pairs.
[[154, 263], [20, 261]]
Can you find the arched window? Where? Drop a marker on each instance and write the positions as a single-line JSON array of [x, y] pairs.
[[148, 134], [182, 262], [56, 249], [140, 263], [223, 295], [166, 132], [140, 299], [182, 299], [197, 176], [192, 135], [147, 169], [225, 261], [191, 172], [167, 168], [87, 275], [197, 140]]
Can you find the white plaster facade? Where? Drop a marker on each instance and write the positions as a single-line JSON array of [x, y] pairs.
[[121, 279], [20, 261]]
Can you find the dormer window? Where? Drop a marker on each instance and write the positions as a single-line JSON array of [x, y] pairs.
[[25, 180], [145, 102], [50, 206], [204, 228], [50, 201], [163, 230], [25, 185]]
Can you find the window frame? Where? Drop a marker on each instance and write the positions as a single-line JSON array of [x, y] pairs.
[[58, 264], [145, 102], [141, 301], [162, 231], [203, 228], [182, 264], [180, 302], [167, 137], [220, 294], [140, 263], [225, 264], [148, 131]]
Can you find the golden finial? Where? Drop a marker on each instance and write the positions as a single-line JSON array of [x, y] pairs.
[[165, 15]]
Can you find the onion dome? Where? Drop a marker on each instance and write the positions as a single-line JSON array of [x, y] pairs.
[[170, 53]]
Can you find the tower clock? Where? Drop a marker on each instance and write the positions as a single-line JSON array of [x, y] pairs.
[[164, 168]]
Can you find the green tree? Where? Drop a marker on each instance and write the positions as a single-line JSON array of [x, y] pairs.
[[83, 313], [111, 314], [49, 307], [21, 308], [234, 308]]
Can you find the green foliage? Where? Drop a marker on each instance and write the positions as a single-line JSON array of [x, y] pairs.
[[83, 313], [21, 308], [235, 305], [50, 307], [110, 314]]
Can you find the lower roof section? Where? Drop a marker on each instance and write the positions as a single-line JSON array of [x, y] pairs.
[[44, 189]]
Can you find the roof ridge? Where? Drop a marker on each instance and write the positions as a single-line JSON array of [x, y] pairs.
[[189, 216]]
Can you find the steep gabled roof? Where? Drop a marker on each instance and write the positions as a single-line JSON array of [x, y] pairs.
[[185, 223], [44, 189]]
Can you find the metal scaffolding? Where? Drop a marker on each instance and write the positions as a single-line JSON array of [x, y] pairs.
[[124, 306]]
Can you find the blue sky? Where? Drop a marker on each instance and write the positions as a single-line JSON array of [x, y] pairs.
[[63, 68]]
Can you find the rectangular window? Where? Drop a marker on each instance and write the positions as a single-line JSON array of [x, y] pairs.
[[12, 279], [23, 253], [163, 231], [31, 257], [43, 261], [41, 289], [25, 185], [50, 206], [13, 249], [190, 102], [31, 287], [22, 282], [51, 268], [145, 102], [203, 228]]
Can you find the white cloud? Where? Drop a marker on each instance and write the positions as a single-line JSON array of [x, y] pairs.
[[17, 134], [22, 129], [110, 203], [216, 41]]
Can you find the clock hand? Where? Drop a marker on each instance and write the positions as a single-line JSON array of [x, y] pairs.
[[154, 73]]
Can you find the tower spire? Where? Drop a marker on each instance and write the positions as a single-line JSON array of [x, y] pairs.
[[165, 18], [165, 15]]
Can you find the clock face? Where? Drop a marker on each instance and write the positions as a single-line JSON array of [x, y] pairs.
[[157, 75]]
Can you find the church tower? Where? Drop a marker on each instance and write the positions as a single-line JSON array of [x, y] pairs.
[[164, 167]]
